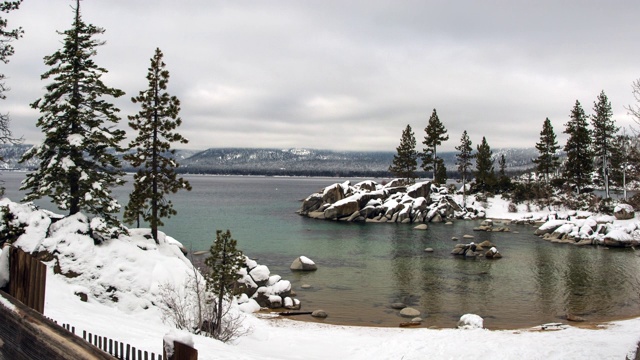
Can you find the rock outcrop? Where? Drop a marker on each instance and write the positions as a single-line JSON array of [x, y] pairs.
[[394, 202], [269, 291]]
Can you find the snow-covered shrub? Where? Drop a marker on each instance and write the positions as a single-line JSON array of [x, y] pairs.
[[10, 227], [193, 308]]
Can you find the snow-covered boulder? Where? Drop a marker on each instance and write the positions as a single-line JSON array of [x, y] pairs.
[[470, 321], [303, 263], [623, 212]]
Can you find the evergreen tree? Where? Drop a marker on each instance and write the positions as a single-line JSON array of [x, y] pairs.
[[155, 124], [6, 50], [405, 162], [77, 168], [435, 135], [604, 132], [441, 172], [463, 160], [223, 262], [485, 174], [547, 162], [579, 164], [504, 182]]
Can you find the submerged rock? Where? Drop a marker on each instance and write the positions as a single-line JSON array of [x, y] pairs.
[[319, 314], [409, 312]]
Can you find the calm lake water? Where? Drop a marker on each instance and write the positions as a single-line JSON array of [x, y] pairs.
[[363, 268]]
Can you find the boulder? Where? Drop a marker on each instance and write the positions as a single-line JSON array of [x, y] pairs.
[[419, 190], [303, 263], [312, 203], [421, 227], [409, 312], [341, 209], [319, 314], [430, 250], [398, 305], [623, 212], [334, 193], [470, 321]]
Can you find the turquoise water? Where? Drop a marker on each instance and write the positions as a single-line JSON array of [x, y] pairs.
[[363, 268]]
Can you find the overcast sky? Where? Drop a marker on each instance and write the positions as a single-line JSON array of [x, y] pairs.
[[347, 75]]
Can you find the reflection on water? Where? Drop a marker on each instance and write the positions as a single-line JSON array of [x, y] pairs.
[[363, 268]]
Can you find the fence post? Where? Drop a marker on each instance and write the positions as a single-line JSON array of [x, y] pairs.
[[180, 352]]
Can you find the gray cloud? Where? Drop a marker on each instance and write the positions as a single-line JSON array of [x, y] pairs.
[[325, 74]]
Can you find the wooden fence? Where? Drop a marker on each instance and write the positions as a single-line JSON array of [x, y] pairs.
[[27, 279], [117, 349], [27, 282]]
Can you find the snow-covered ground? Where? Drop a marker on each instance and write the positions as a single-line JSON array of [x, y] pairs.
[[137, 267]]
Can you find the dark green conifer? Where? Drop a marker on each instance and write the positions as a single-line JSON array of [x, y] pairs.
[[77, 167], [547, 162], [604, 133], [463, 161], [579, 164], [405, 162], [504, 182], [223, 264], [441, 172], [6, 50], [152, 152], [435, 135], [485, 174]]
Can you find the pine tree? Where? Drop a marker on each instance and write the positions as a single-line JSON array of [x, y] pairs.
[[579, 163], [405, 162], [152, 151], [604, 132], [463, 160], [223, 263], [504, 182], [441, 172], [6, 50], [435, 135], [77, 168], [547, 162], [485, 174]]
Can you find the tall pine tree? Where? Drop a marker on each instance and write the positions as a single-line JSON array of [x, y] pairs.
[[435, 135], [152, 151], [547, 162], [604, 133], [6, 50], [579, 164], [485, 173], [76, 167], [504, 182], [463, 161], [405, 162]]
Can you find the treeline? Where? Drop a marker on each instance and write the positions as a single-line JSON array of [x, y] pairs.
[[597, 153]]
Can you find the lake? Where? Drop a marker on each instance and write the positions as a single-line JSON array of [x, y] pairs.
[[363, 268]]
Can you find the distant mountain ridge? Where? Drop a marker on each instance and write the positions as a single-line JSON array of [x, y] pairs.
[[293, 161]]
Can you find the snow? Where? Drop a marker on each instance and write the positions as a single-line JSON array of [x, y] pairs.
[[306, 260], [175, 335], [4, 266], [136, 267]]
